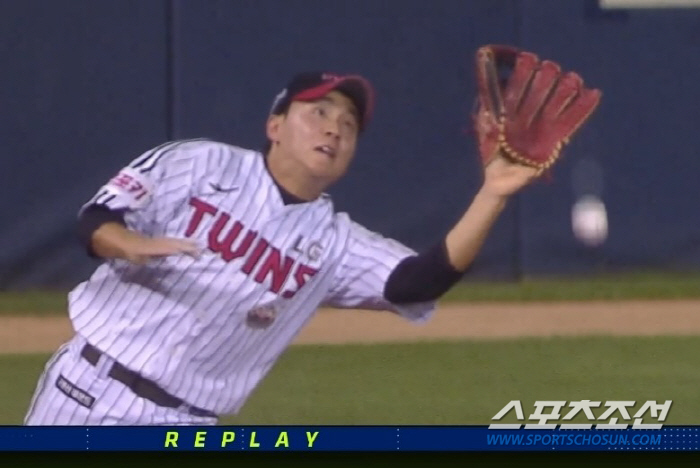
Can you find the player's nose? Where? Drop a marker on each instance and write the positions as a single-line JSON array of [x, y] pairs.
[[332, 128]]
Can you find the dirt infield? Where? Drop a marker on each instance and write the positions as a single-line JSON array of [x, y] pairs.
[[25, 334]]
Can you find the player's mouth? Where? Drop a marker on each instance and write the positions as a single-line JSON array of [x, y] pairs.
[[327, 150]]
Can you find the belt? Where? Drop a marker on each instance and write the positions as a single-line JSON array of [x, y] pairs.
[[143, 387]]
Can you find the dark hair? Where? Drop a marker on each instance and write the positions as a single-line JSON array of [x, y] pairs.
[[267, 146]]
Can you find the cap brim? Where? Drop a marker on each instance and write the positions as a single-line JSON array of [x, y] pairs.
[[357, 88]]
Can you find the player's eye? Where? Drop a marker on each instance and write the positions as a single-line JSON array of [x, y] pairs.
[[349, 124], [320, 111]]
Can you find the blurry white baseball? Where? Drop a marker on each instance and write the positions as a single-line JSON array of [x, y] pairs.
[[589, 220]]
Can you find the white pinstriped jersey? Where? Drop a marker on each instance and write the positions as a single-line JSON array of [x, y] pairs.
[[209, 329]]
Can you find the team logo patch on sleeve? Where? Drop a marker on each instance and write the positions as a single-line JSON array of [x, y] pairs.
[[74, 393], [134, 187]]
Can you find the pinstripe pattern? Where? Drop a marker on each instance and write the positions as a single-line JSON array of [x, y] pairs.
[[191, 324], [41, 386]]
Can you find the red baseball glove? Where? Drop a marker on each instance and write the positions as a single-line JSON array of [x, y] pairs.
[[529, 114]]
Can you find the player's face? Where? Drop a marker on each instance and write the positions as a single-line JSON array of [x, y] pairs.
[[321, 135]]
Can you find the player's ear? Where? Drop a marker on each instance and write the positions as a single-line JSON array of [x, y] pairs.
[[273, 127]]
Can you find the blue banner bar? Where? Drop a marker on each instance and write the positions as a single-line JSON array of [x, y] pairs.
[[345, 438]]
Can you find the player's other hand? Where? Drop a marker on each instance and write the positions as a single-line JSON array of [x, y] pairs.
[[503, 178], [140, 251], [113, 240]]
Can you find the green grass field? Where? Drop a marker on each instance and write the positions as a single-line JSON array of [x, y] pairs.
[[442, 382], [653, 285], [463, 382]]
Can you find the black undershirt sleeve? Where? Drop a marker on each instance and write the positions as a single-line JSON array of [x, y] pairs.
[[421, 278], [92, 218]]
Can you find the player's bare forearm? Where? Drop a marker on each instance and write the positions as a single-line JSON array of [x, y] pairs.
[[467, 236], [502, 179], [113, 240]]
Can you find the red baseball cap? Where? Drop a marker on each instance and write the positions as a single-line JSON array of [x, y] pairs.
[[309, 86]]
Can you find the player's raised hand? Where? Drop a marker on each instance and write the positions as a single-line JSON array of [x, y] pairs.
[[503, 178]]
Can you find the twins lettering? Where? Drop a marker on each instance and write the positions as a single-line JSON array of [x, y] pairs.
[[233, 240]]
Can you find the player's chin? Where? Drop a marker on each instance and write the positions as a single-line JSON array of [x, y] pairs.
[[329, 177], [326, 168]]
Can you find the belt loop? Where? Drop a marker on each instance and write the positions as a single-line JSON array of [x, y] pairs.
[[185, 408], [104, 365]]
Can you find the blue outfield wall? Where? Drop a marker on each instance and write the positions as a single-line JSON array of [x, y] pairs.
[[89, 85], [82, 89]]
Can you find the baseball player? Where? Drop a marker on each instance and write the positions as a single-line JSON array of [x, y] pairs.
[[216, 256]]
